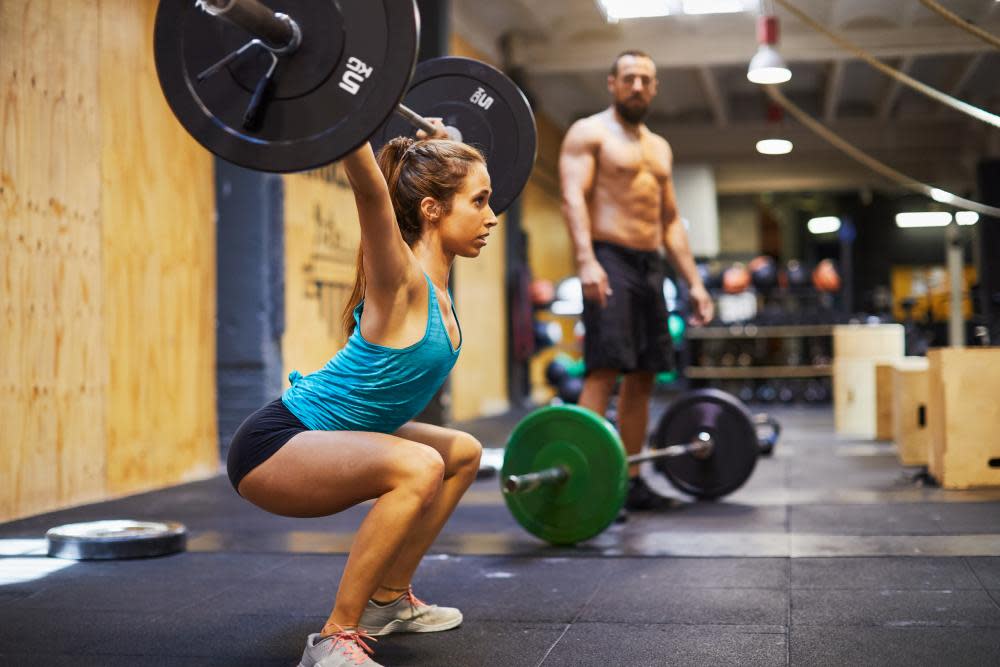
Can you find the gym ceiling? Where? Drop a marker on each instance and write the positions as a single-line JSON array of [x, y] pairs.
[[712, 114]]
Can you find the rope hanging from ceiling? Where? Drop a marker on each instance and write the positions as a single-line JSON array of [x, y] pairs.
[[959, 22], [879, 167], [920, 87]]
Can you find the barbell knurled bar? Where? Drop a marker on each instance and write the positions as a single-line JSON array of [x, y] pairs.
[[700, 448]]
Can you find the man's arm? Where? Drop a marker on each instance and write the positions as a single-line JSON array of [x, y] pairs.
[[577, 167], [675, 239]]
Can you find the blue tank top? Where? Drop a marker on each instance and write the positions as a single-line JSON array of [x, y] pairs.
[[368, 387]]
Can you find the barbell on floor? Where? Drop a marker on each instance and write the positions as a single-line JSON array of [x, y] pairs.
[[296, 90], [700, 448], [565, 471]]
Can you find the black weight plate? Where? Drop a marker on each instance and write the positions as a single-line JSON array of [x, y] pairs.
[[735, 448], [310, 120], [115, 538], [322, 28], [488, 109]]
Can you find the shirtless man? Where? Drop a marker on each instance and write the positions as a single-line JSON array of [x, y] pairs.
[[619, 204]]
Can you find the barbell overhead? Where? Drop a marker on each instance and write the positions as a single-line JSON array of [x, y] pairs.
[[324, 100], [292, 85]]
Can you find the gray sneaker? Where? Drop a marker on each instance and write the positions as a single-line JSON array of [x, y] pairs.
[[343, 649], [408, 614]]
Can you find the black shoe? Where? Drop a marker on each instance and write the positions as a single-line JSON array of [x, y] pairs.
[[642, 498]]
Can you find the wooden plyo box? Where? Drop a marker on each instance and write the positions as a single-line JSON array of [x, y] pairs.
[[963, 411], [883, 400], [868, 341], [909, 389], [858, 349]]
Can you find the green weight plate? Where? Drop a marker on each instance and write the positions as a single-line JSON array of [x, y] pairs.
[[734, 435], [590, 449]]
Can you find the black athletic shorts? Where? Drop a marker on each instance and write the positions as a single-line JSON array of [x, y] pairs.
[[630, 333], [259, 437]]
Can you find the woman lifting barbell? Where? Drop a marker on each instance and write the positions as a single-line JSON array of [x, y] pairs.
[[344, 435]]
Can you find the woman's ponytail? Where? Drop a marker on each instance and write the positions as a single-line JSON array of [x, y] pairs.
[[414, 169]]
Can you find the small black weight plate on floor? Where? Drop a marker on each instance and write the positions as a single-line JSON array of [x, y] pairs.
[[735, 447], [484, 105], [116, 538], [327, 98], [768, 432], [588, 447]]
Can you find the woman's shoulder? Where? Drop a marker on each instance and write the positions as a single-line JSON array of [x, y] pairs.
[[410, 289]]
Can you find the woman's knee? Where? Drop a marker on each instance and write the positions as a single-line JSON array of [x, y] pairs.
[[420, 469], [467, 451]]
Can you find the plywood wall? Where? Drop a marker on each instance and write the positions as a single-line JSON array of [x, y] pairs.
[[106, 264], [158, 243], [321, 243], [479, 380], [53, 359]]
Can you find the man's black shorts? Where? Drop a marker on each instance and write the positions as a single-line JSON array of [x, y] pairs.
[[630, 333]]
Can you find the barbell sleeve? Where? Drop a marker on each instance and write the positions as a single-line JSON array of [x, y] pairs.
[[700, 448], [416, 119], [422, 123], [277, 30], [532, 480]]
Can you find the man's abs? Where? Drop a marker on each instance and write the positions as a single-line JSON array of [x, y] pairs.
[[627, 203], [622, 228]]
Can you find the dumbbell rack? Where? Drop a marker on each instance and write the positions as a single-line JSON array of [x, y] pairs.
[[713, 374]]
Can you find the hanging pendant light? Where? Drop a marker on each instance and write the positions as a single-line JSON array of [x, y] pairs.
[[767, 66], [774, 143]]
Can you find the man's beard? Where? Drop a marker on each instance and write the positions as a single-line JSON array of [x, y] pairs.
[[632, 115]]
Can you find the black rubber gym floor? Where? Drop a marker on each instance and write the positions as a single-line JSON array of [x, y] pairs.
[[830, 555]]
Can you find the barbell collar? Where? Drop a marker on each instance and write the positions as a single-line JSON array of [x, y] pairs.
[[279, 31], [533, 480]]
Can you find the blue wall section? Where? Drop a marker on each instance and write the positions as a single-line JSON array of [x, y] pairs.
[[250, 260]]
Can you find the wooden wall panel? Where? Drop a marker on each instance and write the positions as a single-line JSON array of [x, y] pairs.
[[158, 205], [107, 378], [52, 355], [479, 380], [550, 251], [321, 243]]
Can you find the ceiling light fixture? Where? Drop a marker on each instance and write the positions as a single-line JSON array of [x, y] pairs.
[[712, 6], [767, 66], [616, 10], [966, 217], [774, 144], [826, 224], [923, 219]]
